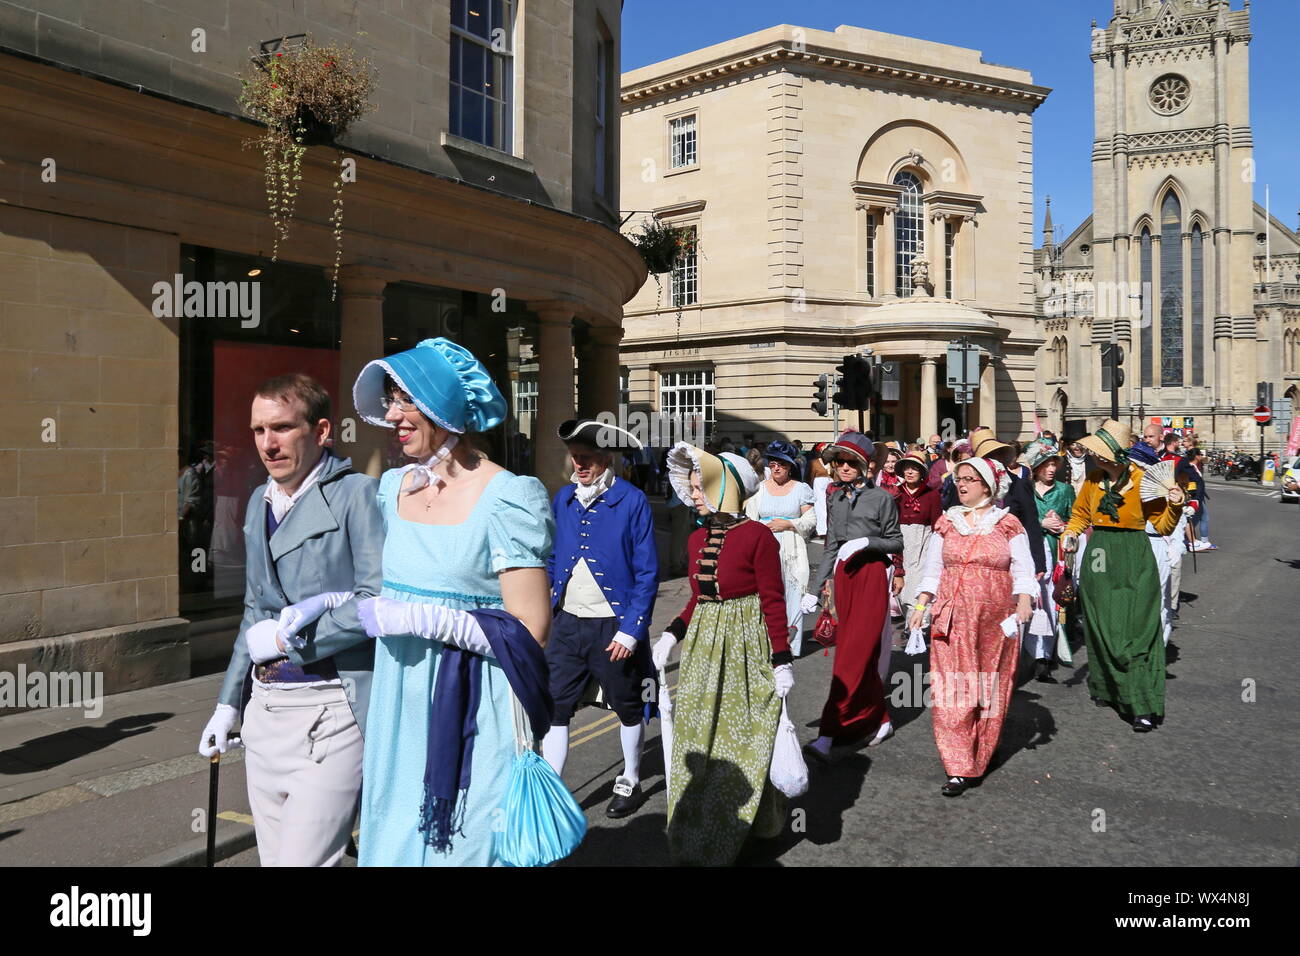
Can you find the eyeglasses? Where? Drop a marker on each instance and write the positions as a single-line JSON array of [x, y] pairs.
[[966, 479], [388, 402]]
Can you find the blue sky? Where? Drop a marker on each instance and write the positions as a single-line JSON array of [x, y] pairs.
[[1050, 38]]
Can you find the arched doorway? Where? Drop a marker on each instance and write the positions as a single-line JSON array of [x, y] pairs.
[[1059, 403]]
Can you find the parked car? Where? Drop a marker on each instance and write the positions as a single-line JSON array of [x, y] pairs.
[[1291, 482]]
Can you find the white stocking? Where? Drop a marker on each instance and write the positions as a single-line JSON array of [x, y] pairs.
[[555, 747], [633, 739]]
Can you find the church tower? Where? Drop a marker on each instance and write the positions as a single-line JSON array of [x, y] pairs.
[[1174, 217]]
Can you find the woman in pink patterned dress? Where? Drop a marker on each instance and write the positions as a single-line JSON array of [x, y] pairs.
[[979, 565]]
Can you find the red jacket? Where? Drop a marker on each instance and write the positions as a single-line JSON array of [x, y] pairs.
[[749, 563], [920, 508]]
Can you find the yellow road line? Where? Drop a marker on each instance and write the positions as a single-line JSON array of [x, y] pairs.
[[597, 733], [234, 817]]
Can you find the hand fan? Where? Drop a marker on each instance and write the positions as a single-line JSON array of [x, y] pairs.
[[1157, 481]]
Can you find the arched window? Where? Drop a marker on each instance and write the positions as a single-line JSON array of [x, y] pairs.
[[1147, 306], [1198, 305], [1065, 357], [909, 235], [1171, 290]]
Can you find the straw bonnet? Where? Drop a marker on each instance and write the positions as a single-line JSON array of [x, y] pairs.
[[1110, 442], [914, 460], [984, 443], [726, 478]]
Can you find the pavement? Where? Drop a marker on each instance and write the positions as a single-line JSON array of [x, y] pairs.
[[1071, 784]]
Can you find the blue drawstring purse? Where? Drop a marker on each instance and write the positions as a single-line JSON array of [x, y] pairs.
[[543, 823]]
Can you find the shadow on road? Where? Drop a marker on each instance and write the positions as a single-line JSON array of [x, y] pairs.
[[42, 753], [818, 816]]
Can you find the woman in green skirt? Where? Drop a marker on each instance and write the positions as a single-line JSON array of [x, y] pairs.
[[1119, 587], [735, 667]]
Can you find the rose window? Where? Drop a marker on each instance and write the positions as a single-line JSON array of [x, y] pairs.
[[1169, 95]]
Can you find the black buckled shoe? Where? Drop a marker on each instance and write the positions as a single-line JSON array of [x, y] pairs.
[[1043, 671], [628, 797], [955, 786], [1144, 723]]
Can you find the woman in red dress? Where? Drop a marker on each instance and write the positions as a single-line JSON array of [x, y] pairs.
[[979, 579]]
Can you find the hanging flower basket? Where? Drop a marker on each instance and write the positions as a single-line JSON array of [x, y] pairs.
[[307, 96], [662, 245]]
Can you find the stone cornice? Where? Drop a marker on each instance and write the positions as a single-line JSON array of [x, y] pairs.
[[783, 53], [689, 207]]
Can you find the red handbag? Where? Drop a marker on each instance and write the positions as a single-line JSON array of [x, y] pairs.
[[824, 630]]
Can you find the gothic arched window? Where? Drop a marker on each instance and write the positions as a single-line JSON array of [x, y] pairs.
[[909, 225], [1064, 352], [1198, 305], [1147, 306], [1171, 290]]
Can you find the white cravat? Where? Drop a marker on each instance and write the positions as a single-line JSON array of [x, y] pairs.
[[586, 494], [281, 501], [424, 475]]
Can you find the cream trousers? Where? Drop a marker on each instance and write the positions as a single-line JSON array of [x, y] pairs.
[[304, 773]]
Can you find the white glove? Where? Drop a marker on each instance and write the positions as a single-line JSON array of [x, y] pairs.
[[1069, 544], [260, 639], [222, 722], [663, 647], [297, 616], [627, 640], [849, 548], [784, 677], [808, 604], [382, 617]]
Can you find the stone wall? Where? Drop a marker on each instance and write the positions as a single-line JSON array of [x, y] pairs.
[[87, 444]]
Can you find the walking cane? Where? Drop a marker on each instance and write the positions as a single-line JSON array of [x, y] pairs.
[[214, 770], [1191, 542]]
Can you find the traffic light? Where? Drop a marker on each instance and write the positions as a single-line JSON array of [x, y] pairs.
[[855, 383], [1112, 372], [819, 406]]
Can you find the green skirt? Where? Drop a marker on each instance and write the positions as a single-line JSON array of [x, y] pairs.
[[1119, 594], [725, 716]]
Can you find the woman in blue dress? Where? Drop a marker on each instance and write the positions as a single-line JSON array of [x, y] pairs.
[[461, 533]]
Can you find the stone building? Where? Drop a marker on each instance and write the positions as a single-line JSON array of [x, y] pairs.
[[817, 169], [1177, 262], [493, 223]]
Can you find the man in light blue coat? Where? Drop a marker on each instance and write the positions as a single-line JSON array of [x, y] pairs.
[[301, 668]]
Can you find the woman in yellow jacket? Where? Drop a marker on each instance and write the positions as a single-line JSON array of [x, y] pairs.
[[1119, 588]]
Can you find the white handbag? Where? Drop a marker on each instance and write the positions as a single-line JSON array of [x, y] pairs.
[[789, 773]]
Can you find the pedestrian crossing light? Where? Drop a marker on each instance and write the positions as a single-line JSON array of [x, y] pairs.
[[819, 405]]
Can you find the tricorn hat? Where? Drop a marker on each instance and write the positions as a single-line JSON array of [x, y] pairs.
[[599, 435]]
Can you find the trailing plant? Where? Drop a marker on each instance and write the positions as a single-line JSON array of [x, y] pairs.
[[661, 245], [306, 96]]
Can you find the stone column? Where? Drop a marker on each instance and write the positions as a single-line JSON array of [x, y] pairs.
[[598, 371], [554, 391], [939, 257], [929, 397], [988, 395], [887, 275], [361, 317], [964, 287]]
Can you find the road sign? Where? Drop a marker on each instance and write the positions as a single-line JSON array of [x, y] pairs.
[[963, 373], [1263, 414]]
